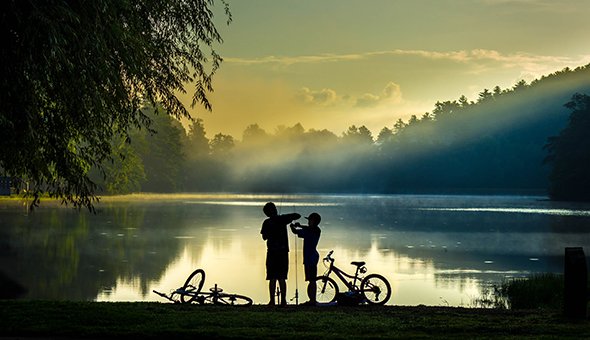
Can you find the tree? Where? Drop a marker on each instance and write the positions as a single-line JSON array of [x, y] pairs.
[[124, 172], [413, 120], [497, 91], [358, 136], [75, 75], [197, 145], [464, 102], [161, 152], [520, 85], [569, 156], [254, 134], [384, 135], [485, 95], [399, 125], [221, 145], [446, 109]]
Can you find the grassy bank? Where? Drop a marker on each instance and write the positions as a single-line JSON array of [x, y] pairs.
[[100, 320]]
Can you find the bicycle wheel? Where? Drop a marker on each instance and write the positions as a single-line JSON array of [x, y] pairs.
[[376, 289], [326, 290], [233, 300], [192, 286]]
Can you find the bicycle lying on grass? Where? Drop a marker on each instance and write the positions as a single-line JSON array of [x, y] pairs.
[[373, 288], [191, 292]]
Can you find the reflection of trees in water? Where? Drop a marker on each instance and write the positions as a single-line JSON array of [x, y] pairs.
[[76, 255], [458, 256], [59, 253], [46, 255], [132, 247]]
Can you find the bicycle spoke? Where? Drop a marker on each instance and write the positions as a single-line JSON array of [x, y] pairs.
[[376, 289], [233, 300], [327, 289]]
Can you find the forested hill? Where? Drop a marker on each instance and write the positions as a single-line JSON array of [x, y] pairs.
[[494, 144]]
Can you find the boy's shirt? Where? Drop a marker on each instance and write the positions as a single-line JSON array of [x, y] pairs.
[[274, 231], [311, 238]]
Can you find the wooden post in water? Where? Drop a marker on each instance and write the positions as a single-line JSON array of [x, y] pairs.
[[575, 276]]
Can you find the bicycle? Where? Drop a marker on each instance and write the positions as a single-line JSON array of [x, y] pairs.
[[191, 292], [373, 288]]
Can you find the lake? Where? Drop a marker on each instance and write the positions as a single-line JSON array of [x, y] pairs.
[[434, 250]]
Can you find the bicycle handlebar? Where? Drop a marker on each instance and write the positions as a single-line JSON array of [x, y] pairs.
[[329, 256]]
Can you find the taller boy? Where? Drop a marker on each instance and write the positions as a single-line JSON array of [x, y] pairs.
[[274, 231]]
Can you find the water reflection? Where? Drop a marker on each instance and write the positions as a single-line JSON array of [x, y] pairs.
[[435, 250]]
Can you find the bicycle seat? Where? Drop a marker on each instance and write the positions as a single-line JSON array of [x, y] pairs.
[[358, 263], [216, 289]]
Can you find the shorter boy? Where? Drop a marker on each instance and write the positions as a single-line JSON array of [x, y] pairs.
[[311, 237]]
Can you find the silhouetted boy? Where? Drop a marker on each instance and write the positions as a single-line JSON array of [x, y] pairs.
[[274, 231], [311, 236]]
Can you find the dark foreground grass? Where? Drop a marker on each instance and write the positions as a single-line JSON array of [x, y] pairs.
[[49, 319]]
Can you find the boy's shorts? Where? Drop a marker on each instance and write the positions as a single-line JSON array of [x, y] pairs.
[[277, 265], [311, 272]]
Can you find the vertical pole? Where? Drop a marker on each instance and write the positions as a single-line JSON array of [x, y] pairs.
[[296, 268], [575, 276]]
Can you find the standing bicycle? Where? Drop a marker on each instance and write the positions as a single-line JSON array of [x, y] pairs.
[[372, 288]]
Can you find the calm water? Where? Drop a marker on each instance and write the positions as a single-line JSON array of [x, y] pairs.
[[435, 250]]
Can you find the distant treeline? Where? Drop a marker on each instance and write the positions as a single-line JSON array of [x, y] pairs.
[[496, 144]]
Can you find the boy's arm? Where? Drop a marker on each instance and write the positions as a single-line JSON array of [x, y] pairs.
[[299, 230], [295, 227], [264, 231], [291, 217]]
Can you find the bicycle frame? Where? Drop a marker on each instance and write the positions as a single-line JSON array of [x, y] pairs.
[[214, 296], [342, 275]]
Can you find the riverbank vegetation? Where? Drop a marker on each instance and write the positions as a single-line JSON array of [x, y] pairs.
[[538, 291], [159, 320]]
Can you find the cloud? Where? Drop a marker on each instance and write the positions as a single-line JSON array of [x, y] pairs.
[[322, 97], [391, 94], [476, 56], [367, 100], [527, 6]]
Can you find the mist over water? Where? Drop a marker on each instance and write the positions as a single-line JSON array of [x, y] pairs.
[[435, 250]]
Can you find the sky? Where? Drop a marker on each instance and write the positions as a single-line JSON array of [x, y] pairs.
[[330, 64]]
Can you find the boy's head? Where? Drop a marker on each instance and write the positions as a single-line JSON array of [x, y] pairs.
[[314, 219], [270, 209]]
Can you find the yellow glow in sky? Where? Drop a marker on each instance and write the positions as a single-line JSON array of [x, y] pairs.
[[330, 64]]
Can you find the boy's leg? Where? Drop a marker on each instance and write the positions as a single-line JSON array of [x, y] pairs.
[[272, 287], [312, 289], [283, 288], [282, 273], [311, 273]]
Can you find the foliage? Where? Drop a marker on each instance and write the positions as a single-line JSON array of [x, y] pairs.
[[569, 154], [161, 152], [76, 73], [539, 291], [125, 172]]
